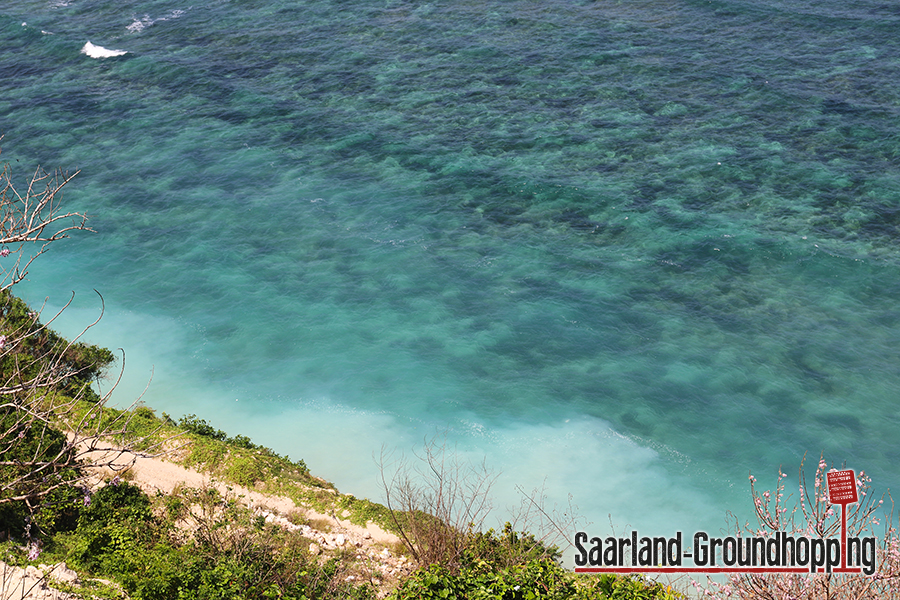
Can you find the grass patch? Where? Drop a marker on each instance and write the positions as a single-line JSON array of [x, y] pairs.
[[363, 510]]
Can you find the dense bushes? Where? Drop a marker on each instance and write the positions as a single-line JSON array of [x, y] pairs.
[[115, 531], [24, 443], [512, 565], [29, 346], [196, 545], [507, 548], [41, 375], [538, 579]]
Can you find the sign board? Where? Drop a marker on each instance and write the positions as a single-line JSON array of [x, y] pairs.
[[842, 487]]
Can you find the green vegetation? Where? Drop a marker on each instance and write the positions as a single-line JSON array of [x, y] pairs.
[[511, 565], [36, 462], [29, 346], [534, 580], [140, 543]]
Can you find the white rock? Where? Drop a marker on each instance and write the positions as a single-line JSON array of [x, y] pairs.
[[314, 549], [61, 572]]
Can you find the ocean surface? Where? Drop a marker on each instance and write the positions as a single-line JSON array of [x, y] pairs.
[[625, 252]]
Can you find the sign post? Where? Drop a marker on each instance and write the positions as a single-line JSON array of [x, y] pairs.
[[842, 490]]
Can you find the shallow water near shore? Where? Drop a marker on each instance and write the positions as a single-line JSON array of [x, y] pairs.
[[627, 253]]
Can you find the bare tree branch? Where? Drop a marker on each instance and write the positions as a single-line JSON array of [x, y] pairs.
[[32, 217], [437, 502]]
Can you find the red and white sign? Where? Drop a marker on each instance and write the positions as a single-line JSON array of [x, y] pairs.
[[842, 487]]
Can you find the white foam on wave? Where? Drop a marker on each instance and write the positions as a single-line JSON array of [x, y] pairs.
[[138, 25], [101, 52], [25, 24]]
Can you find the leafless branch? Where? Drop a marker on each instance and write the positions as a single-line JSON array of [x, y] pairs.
[[436, 502], [32, 219]]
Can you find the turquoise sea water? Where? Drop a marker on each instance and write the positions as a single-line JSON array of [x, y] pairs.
[[628, 251]]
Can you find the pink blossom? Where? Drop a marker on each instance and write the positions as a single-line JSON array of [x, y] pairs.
[[2, 341], [34, 551], [4, 253]]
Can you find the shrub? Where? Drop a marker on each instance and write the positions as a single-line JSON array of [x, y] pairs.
[[117, 502], [31, 344], [113, 529], [614, 587], [507, 548], [230, 553], [193, 424], [245, 471], [436, 502], [28, 442], [539, 579]]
